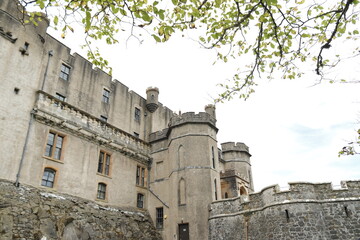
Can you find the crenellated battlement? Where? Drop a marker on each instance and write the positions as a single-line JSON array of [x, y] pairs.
[[299, 192], [191, 117], [232, 146], [177, 120]]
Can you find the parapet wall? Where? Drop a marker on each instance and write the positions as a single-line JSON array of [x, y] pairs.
[[34, 214], [305, 211], [232, 146], [189, 117]]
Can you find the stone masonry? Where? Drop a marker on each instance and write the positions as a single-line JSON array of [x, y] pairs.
[[306, 212], [28, 213]]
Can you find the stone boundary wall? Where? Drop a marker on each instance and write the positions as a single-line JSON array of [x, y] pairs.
[[305, 211], [28, 213]]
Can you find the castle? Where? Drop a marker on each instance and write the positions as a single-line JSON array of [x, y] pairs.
[[70, 132]]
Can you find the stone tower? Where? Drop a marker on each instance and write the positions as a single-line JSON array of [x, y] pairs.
[[236, 178], [185, 174]]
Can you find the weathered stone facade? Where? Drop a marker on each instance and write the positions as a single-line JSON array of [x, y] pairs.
[[27, 213], [91, 159], [306, 211], [71, 128]]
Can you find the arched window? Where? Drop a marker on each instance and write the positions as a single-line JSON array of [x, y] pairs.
[[226, 195], [48, 177], [181, 153], [243, 191], [101, 192], [182, 192]]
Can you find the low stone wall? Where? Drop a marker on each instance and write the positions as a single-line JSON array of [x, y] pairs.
[[307, 211], [27, 213]]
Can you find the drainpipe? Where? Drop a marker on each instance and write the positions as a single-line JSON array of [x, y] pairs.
[[17, 183]]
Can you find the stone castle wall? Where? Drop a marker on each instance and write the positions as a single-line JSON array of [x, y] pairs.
[[34, 214], [305, 211]]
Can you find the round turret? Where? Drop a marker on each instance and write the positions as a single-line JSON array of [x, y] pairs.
[[152, 96], [210, 109]]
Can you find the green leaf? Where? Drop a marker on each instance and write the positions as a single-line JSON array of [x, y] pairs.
[[157, 39], [56, 20]]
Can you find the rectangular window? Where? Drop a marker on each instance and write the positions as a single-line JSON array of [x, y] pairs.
[[137, 114], [101, 193], [60, 97], [65, 72], [106, 96], [140, 176], [54, 145], [103, 118], [104, 163], [160, 218], [140, 200]]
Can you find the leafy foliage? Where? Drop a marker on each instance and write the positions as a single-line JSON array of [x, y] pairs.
[[350, 149], [277, 35]]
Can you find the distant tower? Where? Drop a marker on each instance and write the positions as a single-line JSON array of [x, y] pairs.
[[237, 178], [152, 97]]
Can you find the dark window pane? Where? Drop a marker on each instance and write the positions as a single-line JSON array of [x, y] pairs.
[[107, 166]]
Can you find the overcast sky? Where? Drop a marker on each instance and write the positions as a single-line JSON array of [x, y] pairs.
[[294, 129]]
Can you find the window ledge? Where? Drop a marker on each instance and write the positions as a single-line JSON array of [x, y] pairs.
[[53, 159], [139, 186], [103, 175]]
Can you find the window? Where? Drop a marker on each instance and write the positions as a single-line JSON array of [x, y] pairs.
[[65, 72], [136, 135], [216, 197], [48, 178], [182, 192], [54, 145], [106, 96], [137, 114], [140, 200], [140, 176], [101, 192], [103, 118], [213, 156], [159, 218], [60, 97], [104, 163]]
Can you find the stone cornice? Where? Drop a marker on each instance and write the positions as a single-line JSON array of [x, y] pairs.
[[59, 114]]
